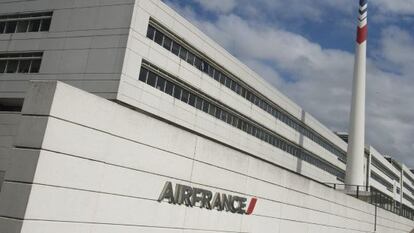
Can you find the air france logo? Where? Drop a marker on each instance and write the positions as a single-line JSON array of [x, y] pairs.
[[196, 197]]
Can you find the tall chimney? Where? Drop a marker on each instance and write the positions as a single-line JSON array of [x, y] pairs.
[[355, 153]]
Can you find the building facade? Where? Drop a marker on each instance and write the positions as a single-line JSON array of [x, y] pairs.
[[161, 119]]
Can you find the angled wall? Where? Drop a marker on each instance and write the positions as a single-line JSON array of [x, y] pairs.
[[91, 165]]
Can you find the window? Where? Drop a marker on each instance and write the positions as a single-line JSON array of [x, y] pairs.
[[169, 88], [175, 48], [197, 63], [160, 83], [217, 75], [2, 27], [11, 27], [143, 75], [158, 37], [27, 22], [45, 25], [22, 26], [190, 58], [183, 53], [151, 32], [151, 79], [167, 43], [24, 66]]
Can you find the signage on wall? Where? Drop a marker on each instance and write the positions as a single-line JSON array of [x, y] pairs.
[[197, 197]]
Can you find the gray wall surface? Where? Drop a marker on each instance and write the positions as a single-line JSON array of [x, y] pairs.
[[84, 47], [91, 165]]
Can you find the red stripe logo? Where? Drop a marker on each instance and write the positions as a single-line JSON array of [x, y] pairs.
[[252, 204], [362, 34]]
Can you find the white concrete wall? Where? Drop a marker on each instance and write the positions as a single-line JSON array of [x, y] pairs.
[[85, 46], [94, 166]]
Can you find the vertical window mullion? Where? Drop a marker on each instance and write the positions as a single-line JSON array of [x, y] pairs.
[[18, 66], [30, 66]]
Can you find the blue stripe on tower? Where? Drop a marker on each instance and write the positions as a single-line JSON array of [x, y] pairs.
[[361, 12], [363, 2]]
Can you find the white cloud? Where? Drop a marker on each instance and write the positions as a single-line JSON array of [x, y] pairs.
[[322, 77], [222, 6], [400, 7]]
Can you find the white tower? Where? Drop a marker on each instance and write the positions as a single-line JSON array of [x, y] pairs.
[[355, 155]]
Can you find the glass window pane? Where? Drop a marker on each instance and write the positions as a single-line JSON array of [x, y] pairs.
[[177, 92], [212, 110], [12, 66], [35, 66], [223, 79], [211, 71], [34, 25], [229, 119], [158, 37], [217, 75], [224, 115], [206, 106], [167, 43], [206, 67], [151, 79], [2, 65], [183, 53], [192, 100], [190, 58], [197, 63], [160, 83], [24, 66], [150, 32], [228, 82], [233, 86], [199, 103], [218, 113], [2, 27], [169, 87], [22, 26], [175, 48], [143, 75], [184, 96], [45, 26], [11, 26]]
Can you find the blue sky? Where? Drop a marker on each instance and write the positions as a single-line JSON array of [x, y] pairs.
[[305, 49]]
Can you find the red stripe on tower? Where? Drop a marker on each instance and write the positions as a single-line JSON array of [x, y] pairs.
[[362, 34]]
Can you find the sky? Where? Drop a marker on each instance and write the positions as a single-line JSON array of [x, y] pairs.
[[305, 48]]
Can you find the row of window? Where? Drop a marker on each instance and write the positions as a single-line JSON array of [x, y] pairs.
[[407, 186], [386, 202], [408, 177], [20, 62], [408, 198], [207, 67], [382, 181], [201, 103], [384, 169], [28, 22], [407, 212]]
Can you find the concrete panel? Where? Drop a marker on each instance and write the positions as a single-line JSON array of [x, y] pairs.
[[14, 199], [10, 225]]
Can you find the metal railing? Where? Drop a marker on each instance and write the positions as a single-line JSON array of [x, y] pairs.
[[375, 197], [353, 190]]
